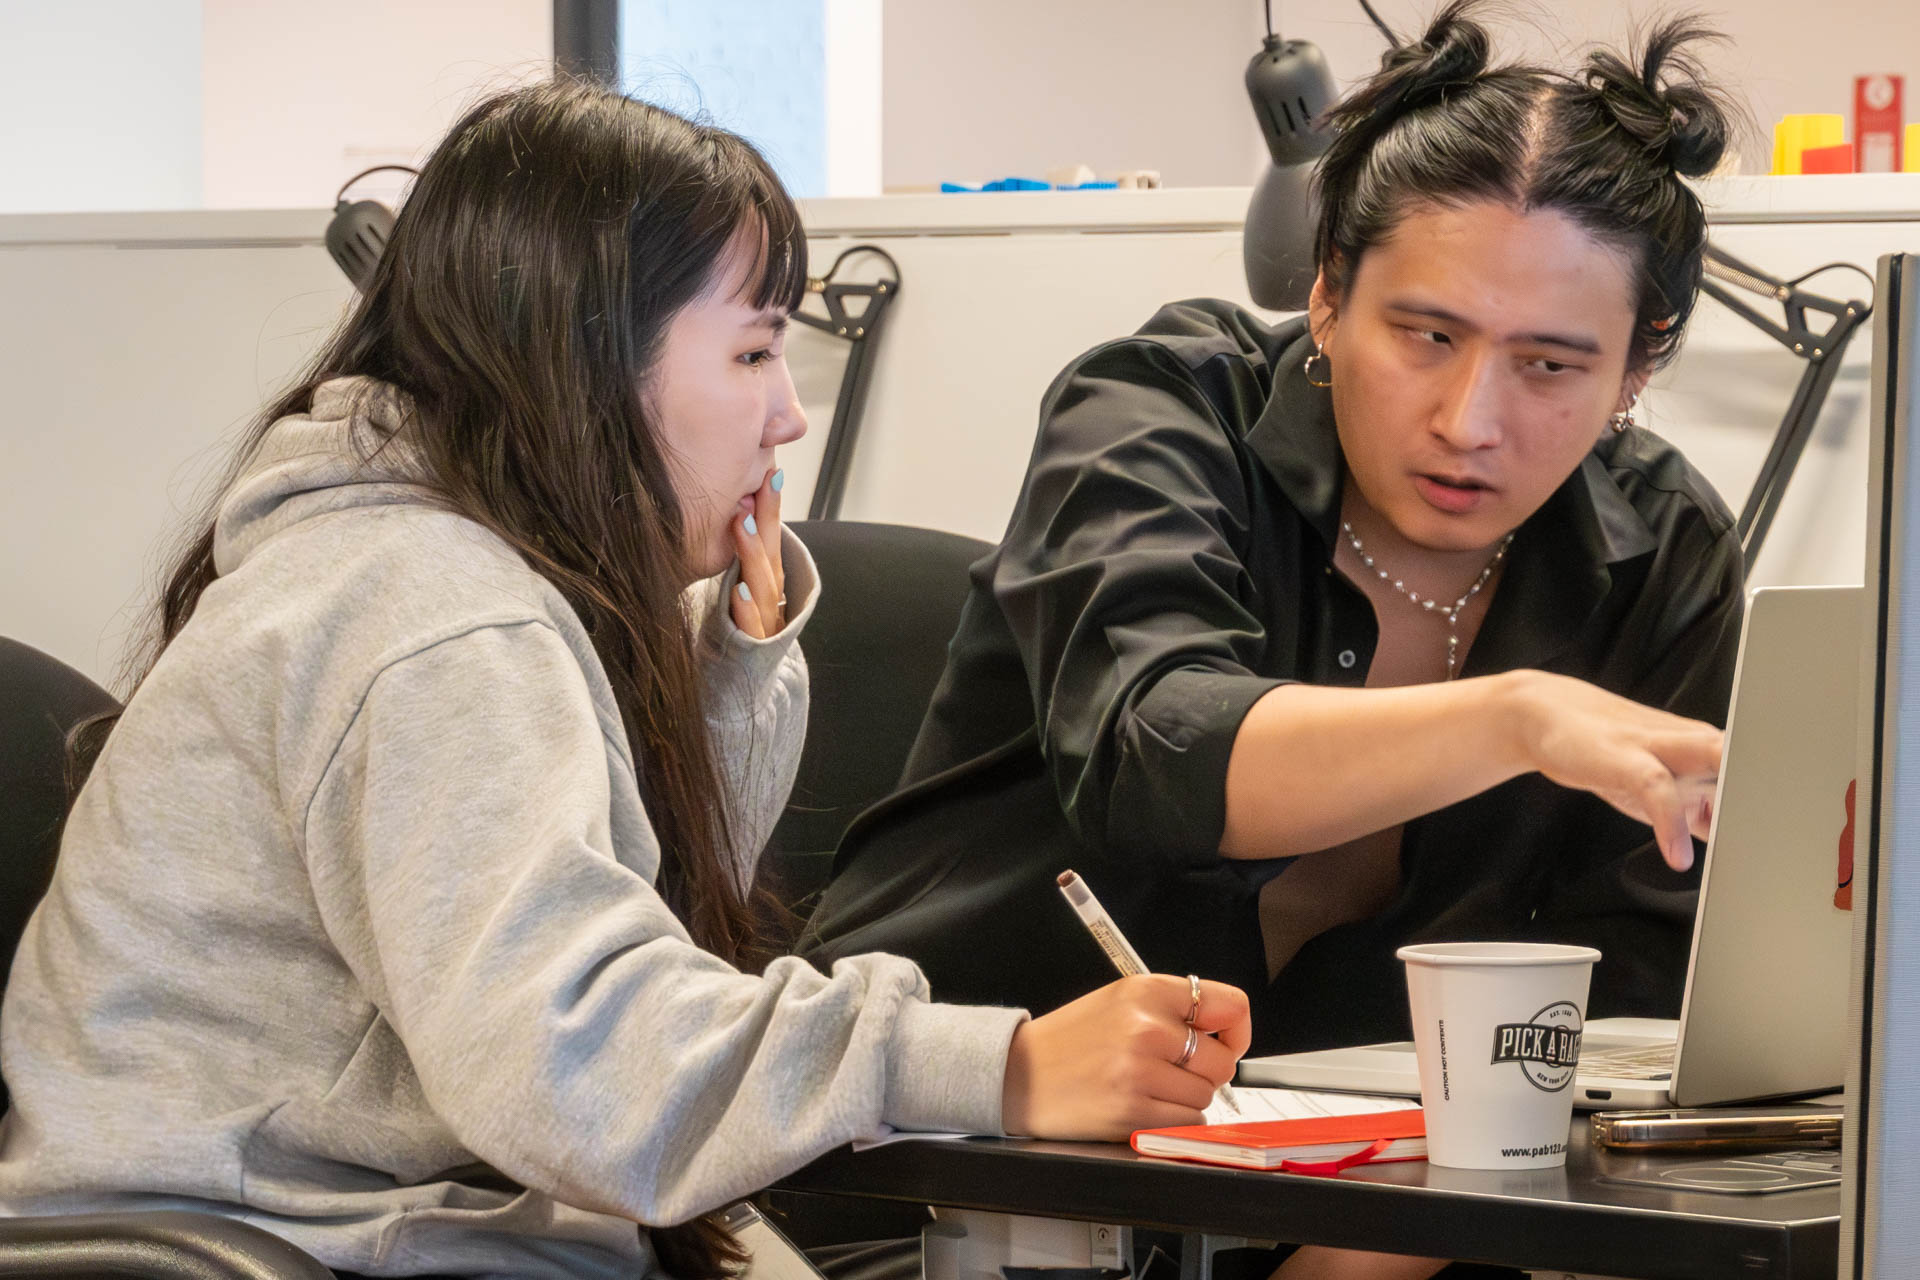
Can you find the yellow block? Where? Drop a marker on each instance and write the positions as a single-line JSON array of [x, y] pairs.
[[1910, 150], [1795, 134]]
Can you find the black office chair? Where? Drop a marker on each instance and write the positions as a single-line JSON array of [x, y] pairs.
[[890, 600], [41, 699]]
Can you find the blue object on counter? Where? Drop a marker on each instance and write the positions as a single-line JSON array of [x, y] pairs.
[[1026, 184], [1002, 184]]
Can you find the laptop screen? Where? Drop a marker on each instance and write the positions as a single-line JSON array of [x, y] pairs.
[[1880, 1222]]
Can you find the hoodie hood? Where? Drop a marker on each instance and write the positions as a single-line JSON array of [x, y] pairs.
[[349, 450]]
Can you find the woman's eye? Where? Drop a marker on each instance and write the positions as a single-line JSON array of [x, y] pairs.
[[754, 359]]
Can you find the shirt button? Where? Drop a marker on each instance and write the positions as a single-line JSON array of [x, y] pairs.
[[1347, 658]]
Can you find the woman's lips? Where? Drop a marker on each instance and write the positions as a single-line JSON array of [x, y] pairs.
[[1455, 495]]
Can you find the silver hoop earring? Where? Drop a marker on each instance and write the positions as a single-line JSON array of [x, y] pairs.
[[1326, 367]]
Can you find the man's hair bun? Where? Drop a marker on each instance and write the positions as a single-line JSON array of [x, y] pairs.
[[1665, 105], [1453, 53]]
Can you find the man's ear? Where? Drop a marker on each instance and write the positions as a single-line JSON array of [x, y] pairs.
[[1322, 309], [1630, 388]]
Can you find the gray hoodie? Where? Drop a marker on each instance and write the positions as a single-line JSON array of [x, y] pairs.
[[361, 893]]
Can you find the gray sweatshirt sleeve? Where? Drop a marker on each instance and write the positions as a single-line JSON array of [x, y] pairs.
[[756, 694], [481, 861]]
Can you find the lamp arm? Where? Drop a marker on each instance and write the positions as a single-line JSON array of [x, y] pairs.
[[1822, 352], [1795, 333], [859, 329]]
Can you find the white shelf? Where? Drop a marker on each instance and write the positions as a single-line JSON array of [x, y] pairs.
[[1866, 197]]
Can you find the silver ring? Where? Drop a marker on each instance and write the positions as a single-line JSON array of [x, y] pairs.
[[1186, 1054], [783, 602], [1193, 1010]]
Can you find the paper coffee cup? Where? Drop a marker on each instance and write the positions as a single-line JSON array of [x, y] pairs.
[[1497, 1028]]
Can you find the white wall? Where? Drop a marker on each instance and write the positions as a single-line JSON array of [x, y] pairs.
[[855, 111], [299, 96], [123, 104], [983, 89], [99, 105], [144, 352], [987, 88]]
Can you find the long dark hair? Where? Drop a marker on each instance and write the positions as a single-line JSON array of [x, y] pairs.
[[520, 304], [1438, 126]]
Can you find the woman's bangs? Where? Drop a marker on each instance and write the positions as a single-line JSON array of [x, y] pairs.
[[777, 276]]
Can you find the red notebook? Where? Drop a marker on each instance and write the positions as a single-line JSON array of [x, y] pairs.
[[1316, 1144]]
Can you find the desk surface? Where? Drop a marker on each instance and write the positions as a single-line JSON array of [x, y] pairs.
[[1567, 1218]]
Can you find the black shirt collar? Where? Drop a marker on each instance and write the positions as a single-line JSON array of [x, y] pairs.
[[1563, 559]]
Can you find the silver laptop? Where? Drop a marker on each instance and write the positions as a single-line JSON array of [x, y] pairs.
[[1765, 1009]]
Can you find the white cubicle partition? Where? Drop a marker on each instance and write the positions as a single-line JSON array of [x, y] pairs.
[[133, 346]]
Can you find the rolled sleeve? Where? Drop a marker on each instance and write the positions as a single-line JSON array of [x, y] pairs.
[[1170, 769], [1124, 584]]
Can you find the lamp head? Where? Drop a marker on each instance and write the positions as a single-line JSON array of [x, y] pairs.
[[358, 232], [1291, 86], [357, 236]]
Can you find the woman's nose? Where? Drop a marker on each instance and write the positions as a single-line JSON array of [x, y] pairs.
[[786, 420]]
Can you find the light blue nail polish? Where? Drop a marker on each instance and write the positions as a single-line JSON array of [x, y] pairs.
[[752, 528], [779, 480], [745, 594]]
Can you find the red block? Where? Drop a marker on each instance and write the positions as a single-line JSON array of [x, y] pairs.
[[1827, 159], [1876, 123]]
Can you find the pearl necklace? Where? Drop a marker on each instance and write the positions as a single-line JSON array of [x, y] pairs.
[[1451, 612]]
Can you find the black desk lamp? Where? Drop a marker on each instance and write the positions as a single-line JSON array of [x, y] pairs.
[[1291, 86], [358, 232]]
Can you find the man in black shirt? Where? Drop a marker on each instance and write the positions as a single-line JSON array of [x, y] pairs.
[[1171, 563], [1377, 626]]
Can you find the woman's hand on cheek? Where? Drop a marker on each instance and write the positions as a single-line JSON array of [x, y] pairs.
[[759, 601]]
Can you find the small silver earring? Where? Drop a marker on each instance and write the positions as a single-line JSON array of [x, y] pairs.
[[1326, 367], [1624, 419]]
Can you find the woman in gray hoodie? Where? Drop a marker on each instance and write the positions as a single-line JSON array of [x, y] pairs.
[[406, 911]]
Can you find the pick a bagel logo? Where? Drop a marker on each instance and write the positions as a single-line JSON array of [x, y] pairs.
[[1547, 1046]]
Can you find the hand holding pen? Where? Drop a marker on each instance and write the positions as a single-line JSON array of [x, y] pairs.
[[1102, 1066], [1128, 962], [1145, 1052]]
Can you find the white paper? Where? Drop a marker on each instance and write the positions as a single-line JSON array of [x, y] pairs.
[[1257, 1104]]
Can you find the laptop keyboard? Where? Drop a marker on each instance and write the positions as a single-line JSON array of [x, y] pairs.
[[1629, 1062]]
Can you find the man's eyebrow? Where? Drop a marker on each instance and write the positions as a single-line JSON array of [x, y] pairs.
[[1571, 341], [1580, 342]]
